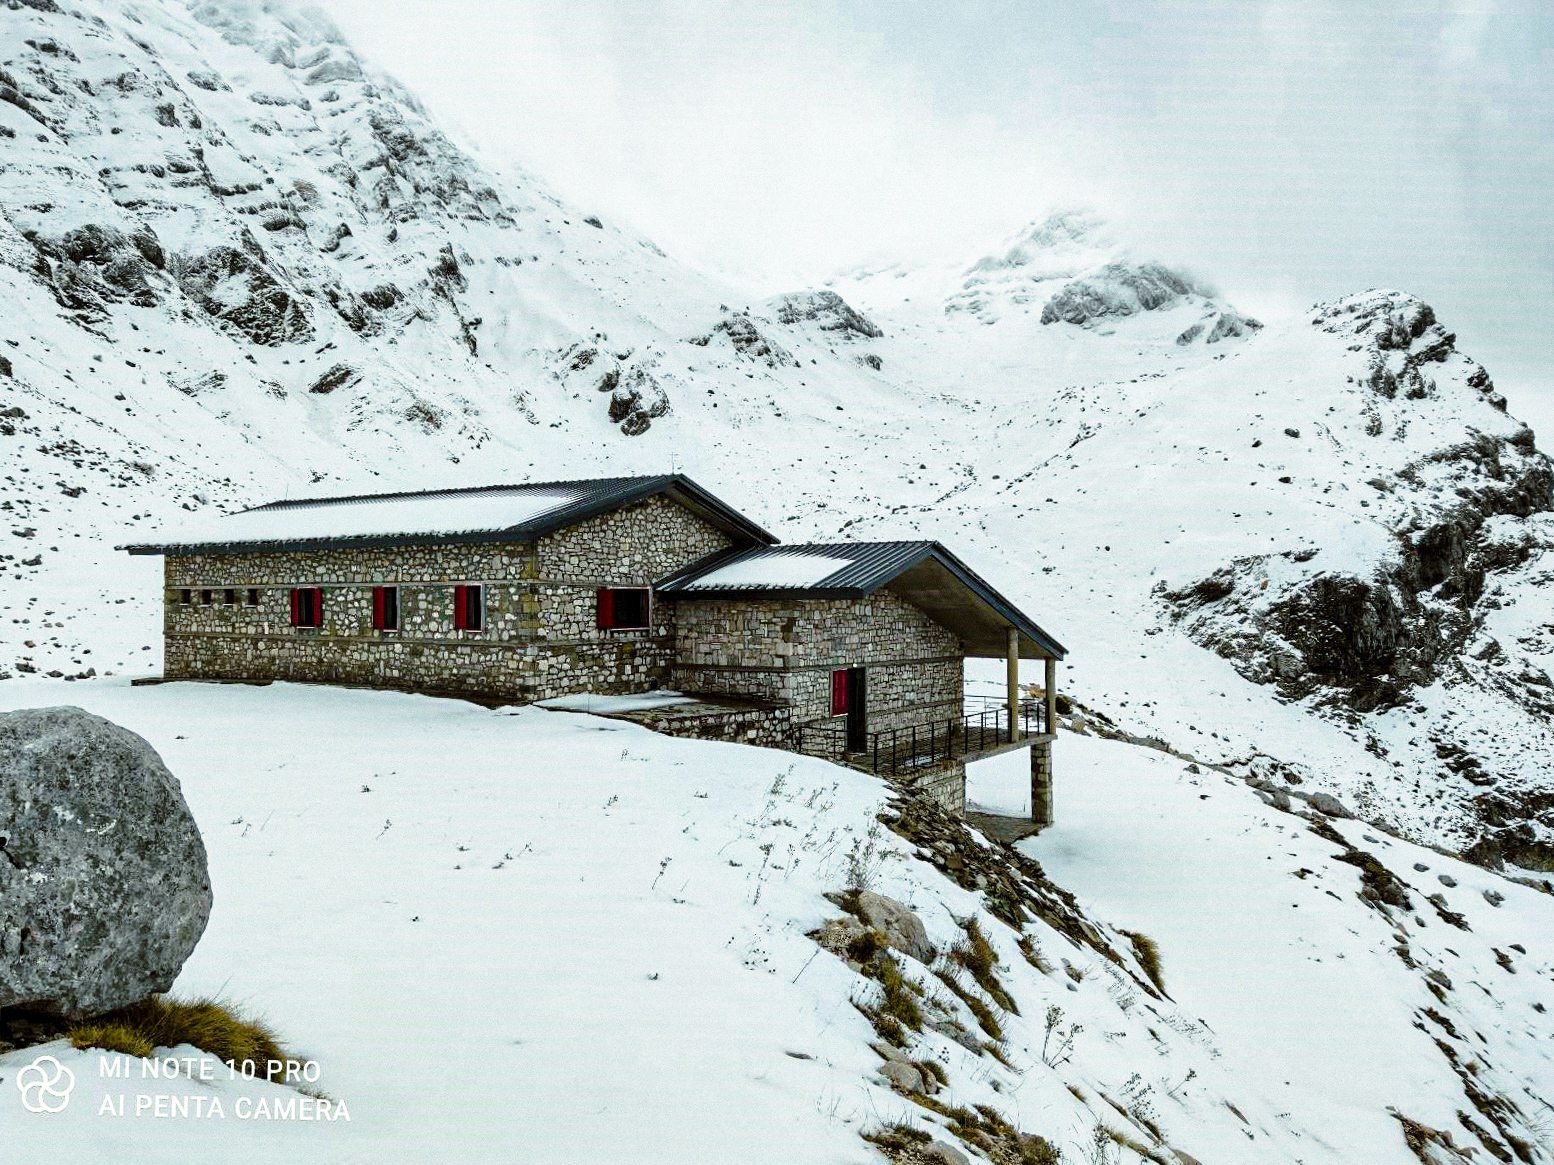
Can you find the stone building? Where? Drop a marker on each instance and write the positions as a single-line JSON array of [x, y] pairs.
[[525, 593]]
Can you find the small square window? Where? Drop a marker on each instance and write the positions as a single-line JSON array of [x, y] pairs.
[[207, 597], [307, 606], [385, 608], [469, 608], [186, 596], [624, 608], [231, 597], [253, 596]]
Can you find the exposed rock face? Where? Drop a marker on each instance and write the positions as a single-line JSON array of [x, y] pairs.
[[233, 286], [104, 889], [1465, 521], [749, 341], [1373, 636], [826, 309], [636, 397], [1119, 289]]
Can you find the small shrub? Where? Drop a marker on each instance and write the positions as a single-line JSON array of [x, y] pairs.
[[1033, 955], [863, 948], [985, 1017], [977, 955], [160, 1022], [900, 1002]]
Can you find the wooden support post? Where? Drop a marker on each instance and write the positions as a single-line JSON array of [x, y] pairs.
[[1052, 695], [1014, 685]]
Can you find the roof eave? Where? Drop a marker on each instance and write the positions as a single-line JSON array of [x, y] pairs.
[[691, 495]]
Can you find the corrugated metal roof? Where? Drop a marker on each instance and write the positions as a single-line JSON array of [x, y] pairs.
[[870, 566], [478, 514]]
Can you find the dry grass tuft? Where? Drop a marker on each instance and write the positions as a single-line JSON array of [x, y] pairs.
[[161, 1022], [1147, 951]]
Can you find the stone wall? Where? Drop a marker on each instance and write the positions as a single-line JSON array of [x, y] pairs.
[[944, 783], [786, 649], [540, 638]]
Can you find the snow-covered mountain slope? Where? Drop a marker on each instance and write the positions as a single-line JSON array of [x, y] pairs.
[[239, 265], [491, 963]]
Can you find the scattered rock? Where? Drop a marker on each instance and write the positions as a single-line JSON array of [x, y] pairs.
[[938, 1153], [1448, 881], [1326, 804], [337, 376], [902, 1075], [902, 929], [104, 889]]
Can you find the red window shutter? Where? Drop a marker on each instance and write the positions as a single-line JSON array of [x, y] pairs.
[[838, 693], [460, 608], [295, 596], [606, 608], [377, 608], [318, 606]]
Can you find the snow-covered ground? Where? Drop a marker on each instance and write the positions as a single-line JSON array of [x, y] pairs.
[[516, 934], [442, 324], [239, 266]]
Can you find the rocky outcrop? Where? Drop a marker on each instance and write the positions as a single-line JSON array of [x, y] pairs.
[[104, 889], [235, 287], [92, 267], [1119, 289], [827, 310], [636, 397], [749, 342]]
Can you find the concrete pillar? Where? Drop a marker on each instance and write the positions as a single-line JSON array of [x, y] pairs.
[[1041, 781], [1014, 685]]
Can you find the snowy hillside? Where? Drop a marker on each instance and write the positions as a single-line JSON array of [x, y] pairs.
[[1290, 555], [238, 265], [407, 891]]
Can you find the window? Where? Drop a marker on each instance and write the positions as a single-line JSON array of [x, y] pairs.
[[231, 597], [624, 608], [307, 606], [839, 692], [186, 596], [253, 596], [206, 597], [469, 608], [385, 608]]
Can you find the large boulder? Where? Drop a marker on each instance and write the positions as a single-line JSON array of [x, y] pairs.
[[104, 888]]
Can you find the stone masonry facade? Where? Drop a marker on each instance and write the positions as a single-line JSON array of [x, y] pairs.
[[540, 637], [784, 650]]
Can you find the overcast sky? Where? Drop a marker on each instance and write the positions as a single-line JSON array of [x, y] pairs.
[[1288, 151]]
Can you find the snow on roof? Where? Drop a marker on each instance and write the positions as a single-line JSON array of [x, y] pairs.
[[772, 569], [431, 515]]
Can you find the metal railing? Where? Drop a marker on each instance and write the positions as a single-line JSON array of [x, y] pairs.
[[897, 750]]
